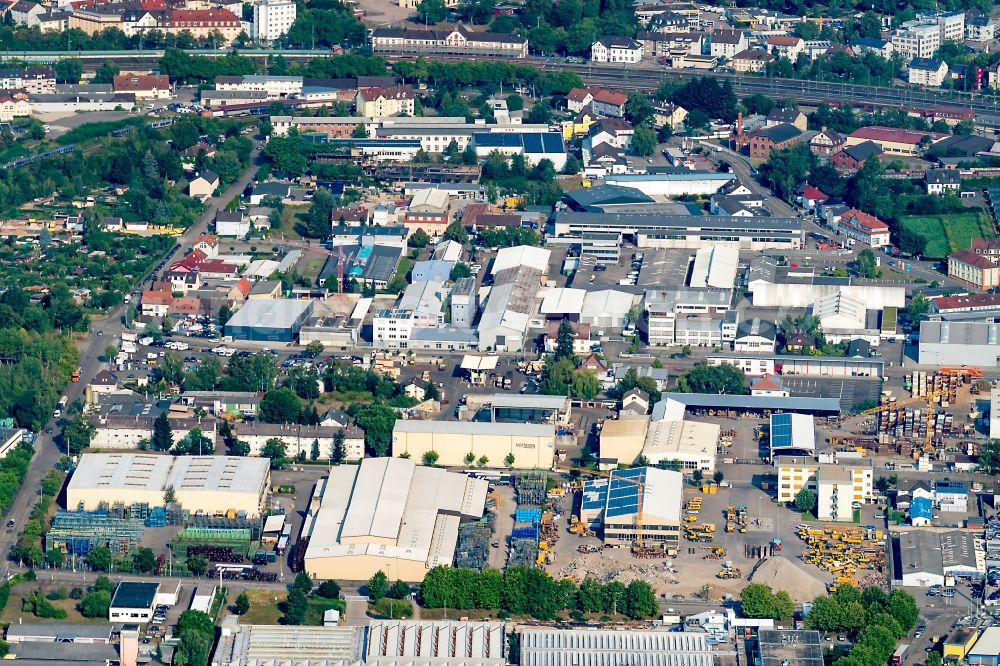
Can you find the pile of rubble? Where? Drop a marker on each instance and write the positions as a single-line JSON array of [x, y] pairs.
[[605, 570]]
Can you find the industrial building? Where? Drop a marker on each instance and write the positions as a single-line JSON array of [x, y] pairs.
[[269, 319], [954, 343], [774, 284], [986, 651], [638, 502], [484, 643], [387, 514], [792, 434], [531, 445], [212, 484], [274, 645], [507, 312], [133, 601], [622, 440], [544, 646], [686, 231], [677, 182], [782, 647], [756, 404], [692, 443], [923, 557], [524, 408], [758, 365]]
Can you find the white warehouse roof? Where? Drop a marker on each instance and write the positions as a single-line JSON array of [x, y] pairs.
[[715, 267], [562, 301], [522, 255], [557, 647], [441, 639], [146, 471]]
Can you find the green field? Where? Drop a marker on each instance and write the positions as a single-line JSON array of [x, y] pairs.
[[947, 233]]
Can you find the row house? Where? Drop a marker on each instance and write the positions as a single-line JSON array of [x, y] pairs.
[[459, 41]]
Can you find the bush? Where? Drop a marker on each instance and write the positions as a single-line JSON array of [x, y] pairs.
[[394, 608], [328, 589], [57, 594], [95, 604], [76, 593]]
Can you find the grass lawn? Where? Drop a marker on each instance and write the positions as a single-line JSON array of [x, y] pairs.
[[12, 612], [947, 233], [263, 609]]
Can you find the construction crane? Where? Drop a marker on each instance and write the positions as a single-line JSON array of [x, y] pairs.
[[640, 486], [929, 399]]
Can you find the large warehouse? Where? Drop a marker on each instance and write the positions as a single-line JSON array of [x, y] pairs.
[[532, 445], [548, 646], [958, 342], [388, 514], [212, 484], [269, 319], [610, 506]]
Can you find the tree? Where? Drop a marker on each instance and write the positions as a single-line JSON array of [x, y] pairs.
[[55, 557], [638, 108], [280, 405], [805, 500], [314, 451], [163, 434], [303, 582], [95, 604], [68, 70], [723, 379], [787, 168], [509, 460], [99, 558], [78, 433], [469, 156], [430, 458], [640, 600], [759, 601], [418, 239], [918, 306], [317, 220], [106, 73], [399, 590], [565, 337], [378, 585], [169, 495], [718, 476], [933, 658], [644, 140], [328, 589], [296, 605], [275, 449], [339, 452], [865, 264], [143, 560], [431, 11], [197, 565], [242, 604], [460, 270], [540, 113], [456, 232], [697, 120]]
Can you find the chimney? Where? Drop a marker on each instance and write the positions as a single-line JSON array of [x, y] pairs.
[[128, 648], [739, 124]]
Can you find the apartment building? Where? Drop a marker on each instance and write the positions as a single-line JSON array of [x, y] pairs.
[[272, 19], [459, 41], [976, 269], [794, 474]]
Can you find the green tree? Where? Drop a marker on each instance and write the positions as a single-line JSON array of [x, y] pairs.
[[805, 500], [430, 458], [163, 434], [418, 239], [55, 557], [339, 453], [95, 604], [314, 451], [303, 582], [431, 11], [378, 585], [276, 450], [759, 601], [106, 73], [865, 264], [68, 70], [328, 589], [99, 558], [787, 168], [644, 140], [242, 604], [933, 658], [296, 605], [918, 306], [564, 341], [460, 270], [640, 600], [280, 405], [399, 590], [78, 433], [197, 565], [509, 460], [456, 232], [723, 379], [143, 560]]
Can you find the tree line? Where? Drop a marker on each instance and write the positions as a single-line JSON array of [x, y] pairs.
[[527, 591]]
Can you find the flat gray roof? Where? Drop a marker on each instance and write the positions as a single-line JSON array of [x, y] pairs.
[[920, 552], [269, 313], [609, 647], [712, 400], [537, 401]]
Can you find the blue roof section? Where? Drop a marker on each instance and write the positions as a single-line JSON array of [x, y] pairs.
[[781, 431], [950, 488], [623, 496], [921, 507], [595, 494], [531, 142]]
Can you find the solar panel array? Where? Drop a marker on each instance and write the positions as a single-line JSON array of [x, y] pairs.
[[623, 496], [781, 430]]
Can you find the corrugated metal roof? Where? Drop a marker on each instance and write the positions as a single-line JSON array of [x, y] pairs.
[[554, 647], [712, 400]]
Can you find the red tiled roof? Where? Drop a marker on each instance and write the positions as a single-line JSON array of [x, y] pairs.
[[766, 383], [130, 82], [581, 329], [753, 54], [971, 258], [577, 94], [213, 17], [390, 92], [779, 40], [879, 133], [814, 193], [244, 286], [607, 97], [985, 244], [217, 266], [946, 303], [185, 305], [210, 240], [157, 298], [864, 221]]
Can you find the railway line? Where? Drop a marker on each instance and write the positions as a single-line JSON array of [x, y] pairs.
[[646, 78]]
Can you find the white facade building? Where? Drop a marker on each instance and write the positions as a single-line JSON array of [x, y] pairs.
[[616, 49], [272, 19]]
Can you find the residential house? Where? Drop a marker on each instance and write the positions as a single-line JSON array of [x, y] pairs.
[[594, 363], [635, 404], [793, 117], [974, 268], [943, 181], [853, 157], [769, 385], [800, 343], [785, 47], [881, 47], [25, 12], [202, 23], [383, 102], [809, 197], [144, 86], [750, 61], [761, 142], [581, 337], [816, 48], [725, 43], [663, 44], [927, 72], [204, 184], [608, 103], [207, 244], [13, 104], [860, 226], [826, 142], [416, 388], [231, 224], [755, 336], [155, 303], [616, 132], [53, 20], [299, 438], [577, 99], [184, 281], [979, 28], [669, 115], [616, 49], [988, 246]]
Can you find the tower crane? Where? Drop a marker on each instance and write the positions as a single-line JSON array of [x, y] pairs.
[[930, 399]]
